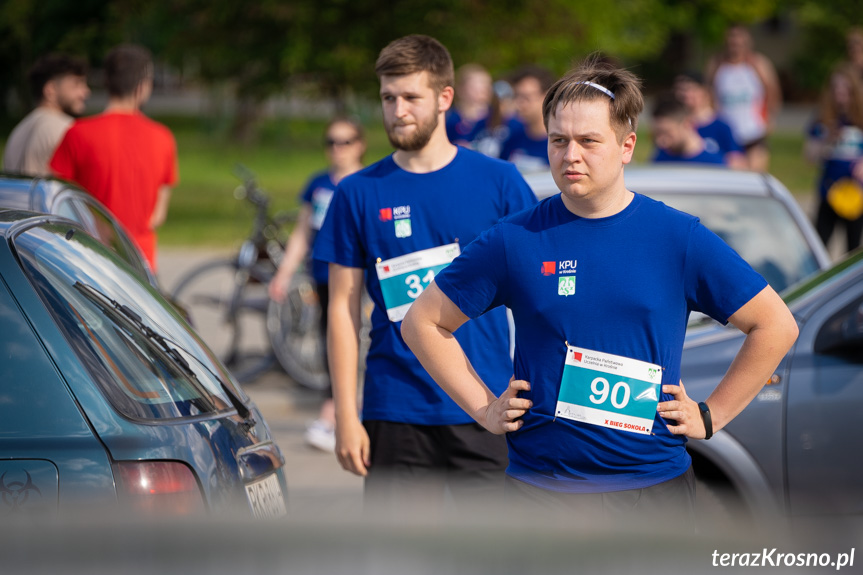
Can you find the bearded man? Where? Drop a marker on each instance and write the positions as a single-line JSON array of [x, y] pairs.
[[398, 222], [59, 86]]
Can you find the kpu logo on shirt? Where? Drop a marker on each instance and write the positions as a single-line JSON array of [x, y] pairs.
[[401, 218], [565, 270]]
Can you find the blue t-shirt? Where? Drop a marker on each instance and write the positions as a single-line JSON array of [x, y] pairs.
[[528, 154], [318, 193], [384, 212], [842, 155], [703, 157], [460, 131], [632, 279], [718, 138]]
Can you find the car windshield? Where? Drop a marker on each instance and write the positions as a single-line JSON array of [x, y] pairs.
[[760, 229], [146, 360]]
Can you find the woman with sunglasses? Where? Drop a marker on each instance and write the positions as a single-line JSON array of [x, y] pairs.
[[345, 146]]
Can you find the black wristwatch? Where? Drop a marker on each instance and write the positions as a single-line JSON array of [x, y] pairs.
[[707, 419]]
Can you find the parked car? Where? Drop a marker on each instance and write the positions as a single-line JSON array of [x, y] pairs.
[[796, 448], [754, 213], [107, 398], [53, 196]]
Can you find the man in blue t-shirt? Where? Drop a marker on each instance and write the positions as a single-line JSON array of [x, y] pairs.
[[400, 221], [675, 137], [600, 281], [468, 117], [690, 89], [527, 144]]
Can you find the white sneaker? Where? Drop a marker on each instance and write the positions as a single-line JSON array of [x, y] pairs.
[[321, 435]]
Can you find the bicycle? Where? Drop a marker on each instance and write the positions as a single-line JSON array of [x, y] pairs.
[[227, 298]]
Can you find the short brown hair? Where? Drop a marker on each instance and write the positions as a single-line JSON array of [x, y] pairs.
[[624, 107], [126, 66], [539, 73], [417, 53], [668, 105], [52, 67]]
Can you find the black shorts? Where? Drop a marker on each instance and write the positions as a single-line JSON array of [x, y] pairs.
[[671, 501], [418, 464]]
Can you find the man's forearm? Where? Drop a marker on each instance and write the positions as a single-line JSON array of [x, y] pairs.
[[160, 210], [442, 356], [343, 354]]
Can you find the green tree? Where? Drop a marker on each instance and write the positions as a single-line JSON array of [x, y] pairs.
[[825, 25]]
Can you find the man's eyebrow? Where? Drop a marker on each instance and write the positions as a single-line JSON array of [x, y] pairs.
[[584, 135]]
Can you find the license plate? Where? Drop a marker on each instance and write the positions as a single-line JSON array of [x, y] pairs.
[[266, 499]]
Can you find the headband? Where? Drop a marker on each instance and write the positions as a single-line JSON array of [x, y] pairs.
[[603, 89]]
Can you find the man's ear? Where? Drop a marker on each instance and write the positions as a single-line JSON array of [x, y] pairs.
[[49, 91], [445, 98], [628, 147]]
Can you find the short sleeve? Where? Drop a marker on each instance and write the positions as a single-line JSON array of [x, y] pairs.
[[473, 281], [729, 144], [306, 194], [63, 161], [338, 240], [718, 281]]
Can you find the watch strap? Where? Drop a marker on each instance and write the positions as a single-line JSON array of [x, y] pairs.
[[707, 419]]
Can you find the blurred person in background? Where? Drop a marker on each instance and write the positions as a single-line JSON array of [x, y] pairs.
[[469, 114], [58, 83], [345, 145], [527, 144], [675, 136], [835, 141], [747, 93], [854, 46], [690, 89], [501, 121], [126, 160]]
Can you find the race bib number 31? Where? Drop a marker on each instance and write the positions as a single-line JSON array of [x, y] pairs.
[[609, 390], [404, 278]]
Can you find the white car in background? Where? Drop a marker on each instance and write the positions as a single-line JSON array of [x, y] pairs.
[[754, 213]]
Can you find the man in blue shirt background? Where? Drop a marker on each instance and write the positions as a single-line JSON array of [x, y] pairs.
[[690, 89], [675, 137], [526, 146]]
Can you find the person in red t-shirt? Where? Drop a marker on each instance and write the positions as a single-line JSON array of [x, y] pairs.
[[126, 160]]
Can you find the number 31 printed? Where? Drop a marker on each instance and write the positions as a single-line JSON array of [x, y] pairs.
[[417, 285]]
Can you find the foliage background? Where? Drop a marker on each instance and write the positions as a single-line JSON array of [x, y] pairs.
[[239, 55]]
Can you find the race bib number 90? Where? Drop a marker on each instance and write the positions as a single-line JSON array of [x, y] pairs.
[[609, 390], [404, 278]]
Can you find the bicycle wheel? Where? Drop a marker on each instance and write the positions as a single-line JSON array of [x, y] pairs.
[[225, 308], [296, 338], [295, 335]]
